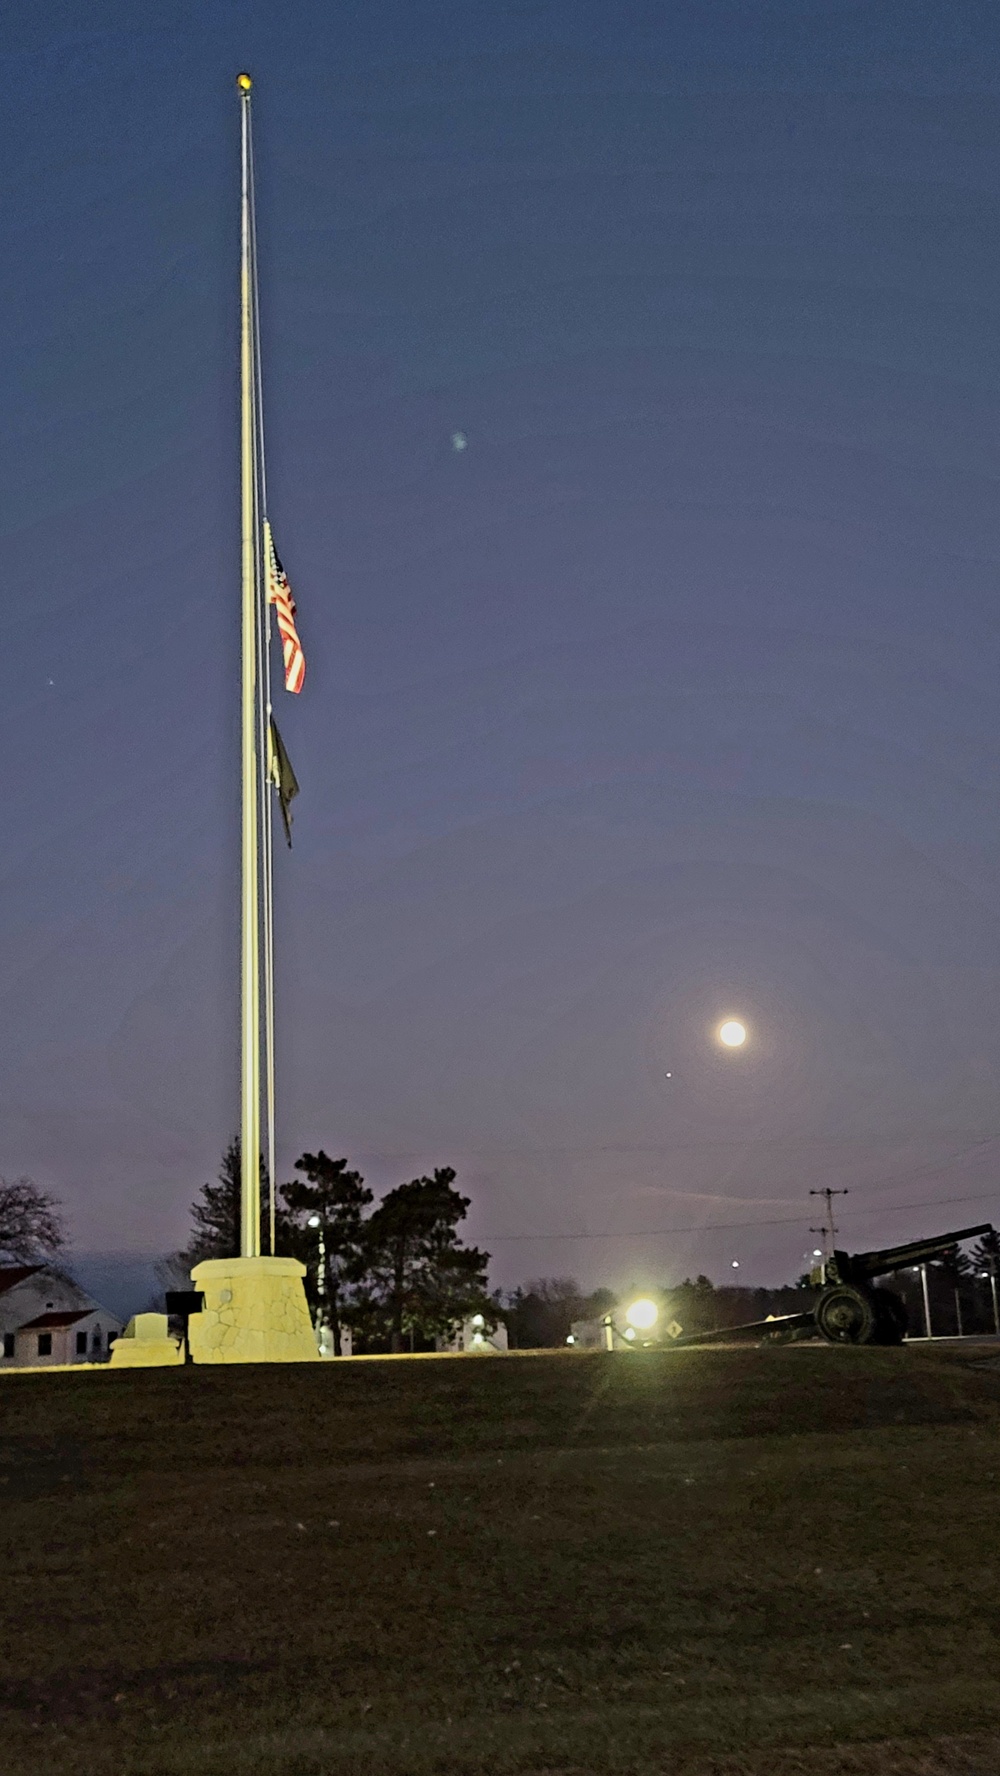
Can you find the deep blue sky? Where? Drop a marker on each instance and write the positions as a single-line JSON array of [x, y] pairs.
[[673, 694]]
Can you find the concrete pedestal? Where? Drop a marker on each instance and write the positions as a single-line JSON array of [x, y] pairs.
[[146, 1344], [255, 1312]]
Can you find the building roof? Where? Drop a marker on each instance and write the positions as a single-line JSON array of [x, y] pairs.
[[45, 1322], [12, 1274]]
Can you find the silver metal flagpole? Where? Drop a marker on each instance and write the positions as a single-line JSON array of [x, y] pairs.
[[264, 728], [250, 947], [255, 1309]]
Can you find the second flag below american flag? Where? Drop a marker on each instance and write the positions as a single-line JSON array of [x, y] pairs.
[[279, 593]]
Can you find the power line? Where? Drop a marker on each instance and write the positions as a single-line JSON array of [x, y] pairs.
[[639, 1147], [939, 1202]]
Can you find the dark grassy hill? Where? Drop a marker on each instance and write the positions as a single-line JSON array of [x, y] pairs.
[[675, 1562]]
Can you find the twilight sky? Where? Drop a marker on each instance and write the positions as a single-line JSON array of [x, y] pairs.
[[673, 694]]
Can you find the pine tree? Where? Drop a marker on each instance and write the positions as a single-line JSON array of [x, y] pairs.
[[339, 1197], [419, 1275], [217, 1214], [985, 1254]]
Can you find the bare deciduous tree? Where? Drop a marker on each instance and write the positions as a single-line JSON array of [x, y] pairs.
[[31, 1226]]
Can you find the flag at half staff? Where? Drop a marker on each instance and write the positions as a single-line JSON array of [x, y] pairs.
[[279, 594], [280, 773]]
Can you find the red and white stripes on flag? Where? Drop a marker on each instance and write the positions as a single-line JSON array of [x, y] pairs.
[[279, 593]]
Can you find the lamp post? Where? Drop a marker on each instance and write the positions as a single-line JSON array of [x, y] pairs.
[[927, 1301], [640, 1316], [992, 1275], [323, 1334]]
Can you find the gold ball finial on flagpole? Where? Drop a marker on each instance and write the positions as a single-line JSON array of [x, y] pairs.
[[244, 83]]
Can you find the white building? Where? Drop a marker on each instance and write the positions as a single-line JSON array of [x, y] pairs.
[[474, 1334], [325, 1340], [46, 1318]]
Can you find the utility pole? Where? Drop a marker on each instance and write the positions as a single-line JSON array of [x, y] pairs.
[[828, 1231]]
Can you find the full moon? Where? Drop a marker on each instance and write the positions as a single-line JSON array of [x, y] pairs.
[[733, 1034]]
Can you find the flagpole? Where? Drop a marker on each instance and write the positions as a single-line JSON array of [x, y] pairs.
[[264, 728], [250, 935], [254, 1308]]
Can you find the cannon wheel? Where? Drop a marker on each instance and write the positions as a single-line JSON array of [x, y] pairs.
[[845, 1315], [891, 1317]]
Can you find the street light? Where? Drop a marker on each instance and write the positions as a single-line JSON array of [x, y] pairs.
[[323, 1335]]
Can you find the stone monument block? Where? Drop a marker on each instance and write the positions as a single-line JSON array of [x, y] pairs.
[[255, 1312], [146, 1344]]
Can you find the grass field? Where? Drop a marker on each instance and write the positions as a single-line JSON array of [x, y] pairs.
[[730, 1561]]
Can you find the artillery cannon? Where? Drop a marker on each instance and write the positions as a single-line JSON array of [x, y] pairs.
[[850, 1309]]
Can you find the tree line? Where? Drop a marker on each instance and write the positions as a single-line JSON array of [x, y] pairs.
[[397, 1272], [959, 1290], [959, 1287]]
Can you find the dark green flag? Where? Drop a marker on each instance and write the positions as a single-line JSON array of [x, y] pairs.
[[280, 773]]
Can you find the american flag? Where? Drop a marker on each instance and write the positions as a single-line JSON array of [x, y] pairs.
[[279, 594]]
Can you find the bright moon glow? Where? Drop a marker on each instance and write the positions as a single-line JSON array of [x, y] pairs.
[[732, 1034], [642, 1315]]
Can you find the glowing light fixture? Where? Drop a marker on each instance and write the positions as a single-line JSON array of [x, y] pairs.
[[732, 1034], [630, 1333], [477, 1320], [642, 1315]]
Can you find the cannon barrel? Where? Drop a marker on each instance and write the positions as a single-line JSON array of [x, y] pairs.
[[858, 1267]]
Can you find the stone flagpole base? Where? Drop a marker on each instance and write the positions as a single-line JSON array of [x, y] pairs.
[[255, 1312]]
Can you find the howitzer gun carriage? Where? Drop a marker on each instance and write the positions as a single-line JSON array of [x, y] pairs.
[[852, 1310], [853, 1307]]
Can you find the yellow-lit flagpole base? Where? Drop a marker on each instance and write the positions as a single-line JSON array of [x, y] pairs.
[[255, 1312]]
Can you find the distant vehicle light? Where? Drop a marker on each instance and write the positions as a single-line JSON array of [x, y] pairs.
[[642, 1315]]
